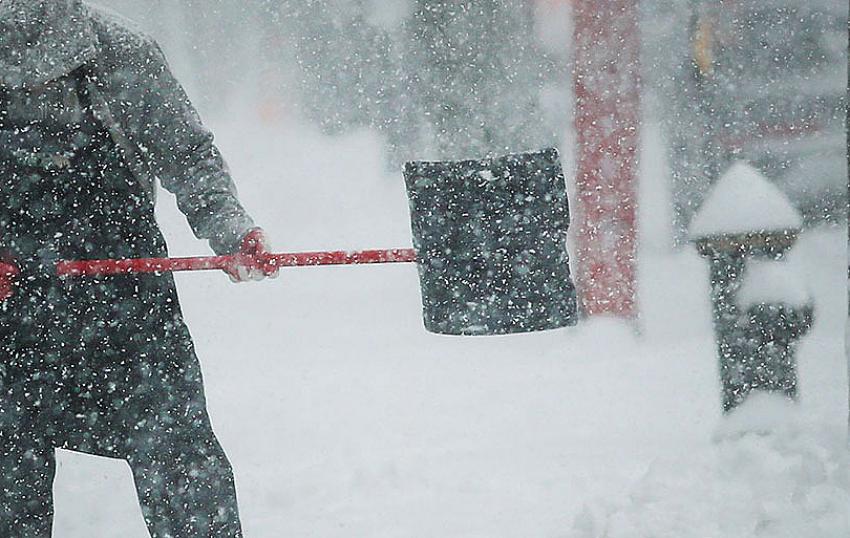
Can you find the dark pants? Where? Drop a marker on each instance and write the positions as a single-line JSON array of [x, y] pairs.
[[123, 383], [183, 480], [108, 367]]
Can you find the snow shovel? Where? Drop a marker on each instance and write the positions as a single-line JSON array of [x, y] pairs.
[[489, 237]]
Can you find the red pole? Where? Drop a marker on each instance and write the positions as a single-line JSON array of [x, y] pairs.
[[607, 87], [299, 259]]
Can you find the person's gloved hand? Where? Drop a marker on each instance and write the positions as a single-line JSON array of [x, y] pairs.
[[252, 261]]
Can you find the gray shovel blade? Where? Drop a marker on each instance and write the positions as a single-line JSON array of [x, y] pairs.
[[490, 237]]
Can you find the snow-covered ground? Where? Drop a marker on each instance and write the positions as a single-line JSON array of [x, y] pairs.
[[344, 418]]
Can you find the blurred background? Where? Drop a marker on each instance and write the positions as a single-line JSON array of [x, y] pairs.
[[759, 80]]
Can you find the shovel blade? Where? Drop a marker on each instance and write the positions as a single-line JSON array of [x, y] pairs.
[[490, 237]]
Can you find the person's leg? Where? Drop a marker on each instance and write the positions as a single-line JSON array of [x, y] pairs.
[[26, 491], [184, 481], [27, 468], [160, 426]]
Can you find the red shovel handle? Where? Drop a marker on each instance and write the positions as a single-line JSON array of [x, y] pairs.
[[165, 265], [8, 270], [8, 273]]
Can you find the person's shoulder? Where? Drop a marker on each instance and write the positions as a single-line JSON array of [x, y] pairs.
[[118, 34]]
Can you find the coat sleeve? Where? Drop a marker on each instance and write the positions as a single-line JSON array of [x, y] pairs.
[[179, 150]]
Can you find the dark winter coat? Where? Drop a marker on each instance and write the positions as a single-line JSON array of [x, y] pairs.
[[137, 99], [102, 365]]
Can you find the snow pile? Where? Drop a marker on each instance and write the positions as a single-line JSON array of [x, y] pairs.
[[744, 201], [773, 282], [768, 474]]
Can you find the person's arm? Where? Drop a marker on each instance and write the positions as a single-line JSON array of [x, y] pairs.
[[179, 150]]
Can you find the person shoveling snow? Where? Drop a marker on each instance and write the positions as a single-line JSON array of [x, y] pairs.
[[89, 113]]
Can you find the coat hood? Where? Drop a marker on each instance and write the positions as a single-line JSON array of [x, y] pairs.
[[41, 40]]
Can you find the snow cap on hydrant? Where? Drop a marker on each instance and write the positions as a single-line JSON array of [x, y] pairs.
[[744, 201], [745, 214]]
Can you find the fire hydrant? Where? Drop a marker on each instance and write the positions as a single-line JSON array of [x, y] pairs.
[[761, 307]]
